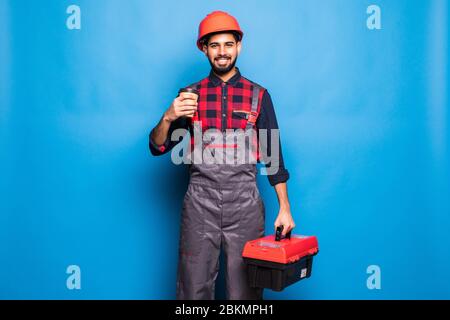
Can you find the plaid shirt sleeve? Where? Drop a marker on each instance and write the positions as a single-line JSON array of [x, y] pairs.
[[158, 150], [268, 120]]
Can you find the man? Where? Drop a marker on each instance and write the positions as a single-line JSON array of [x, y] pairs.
[[222, 206]]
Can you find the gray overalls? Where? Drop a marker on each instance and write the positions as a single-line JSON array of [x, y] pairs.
[[222, 208]]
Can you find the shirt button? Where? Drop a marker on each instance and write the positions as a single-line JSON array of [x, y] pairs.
[[223, 114], [224, 97]]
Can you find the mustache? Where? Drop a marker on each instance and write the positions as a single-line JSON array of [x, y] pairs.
[[222, 57]]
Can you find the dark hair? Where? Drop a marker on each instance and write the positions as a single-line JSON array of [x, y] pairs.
[[205, 39]]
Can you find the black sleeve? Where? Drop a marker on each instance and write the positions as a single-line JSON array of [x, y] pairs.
[[268, 120], [156, 150]]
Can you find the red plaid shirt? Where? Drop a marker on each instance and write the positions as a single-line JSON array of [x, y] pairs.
[[227, 105]]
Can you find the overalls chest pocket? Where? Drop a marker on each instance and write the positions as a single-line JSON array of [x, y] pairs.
[[239, 118]]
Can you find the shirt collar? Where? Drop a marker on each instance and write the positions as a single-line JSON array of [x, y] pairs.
[[216, 81]]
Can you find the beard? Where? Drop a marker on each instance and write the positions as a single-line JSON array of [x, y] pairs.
[[222, 70]]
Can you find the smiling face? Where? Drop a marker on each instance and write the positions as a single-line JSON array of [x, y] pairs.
[[222, 51]]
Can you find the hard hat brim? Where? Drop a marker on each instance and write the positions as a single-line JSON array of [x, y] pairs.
[[225, 30]]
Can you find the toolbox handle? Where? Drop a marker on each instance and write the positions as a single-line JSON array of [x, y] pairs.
[[278, 236]]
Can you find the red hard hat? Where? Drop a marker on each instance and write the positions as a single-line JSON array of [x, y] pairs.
[[217, 21]]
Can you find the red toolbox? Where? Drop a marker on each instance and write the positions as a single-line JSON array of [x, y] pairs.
[[274, 262]]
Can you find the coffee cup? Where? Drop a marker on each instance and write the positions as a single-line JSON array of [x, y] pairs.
[[192, 91]]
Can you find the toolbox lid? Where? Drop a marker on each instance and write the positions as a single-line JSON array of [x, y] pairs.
[[285, 251]]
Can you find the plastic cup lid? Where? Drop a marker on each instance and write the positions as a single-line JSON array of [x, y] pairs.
[[189, 90]]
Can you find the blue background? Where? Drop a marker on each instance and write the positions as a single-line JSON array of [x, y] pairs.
[[364, 125]]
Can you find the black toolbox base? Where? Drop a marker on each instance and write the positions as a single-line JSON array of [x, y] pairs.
[[277, 276]]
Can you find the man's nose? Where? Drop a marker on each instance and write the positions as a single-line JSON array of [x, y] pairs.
[[222, 50]]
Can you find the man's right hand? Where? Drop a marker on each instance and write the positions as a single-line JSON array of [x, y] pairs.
[[183, 105]]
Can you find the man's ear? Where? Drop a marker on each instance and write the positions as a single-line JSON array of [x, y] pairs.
[[205, 49], [238, 47]]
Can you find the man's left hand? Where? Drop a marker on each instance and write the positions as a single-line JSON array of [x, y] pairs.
[[285, 218]]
